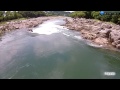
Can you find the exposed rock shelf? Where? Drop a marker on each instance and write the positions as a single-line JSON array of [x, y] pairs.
[[28, 23], [102, 33]]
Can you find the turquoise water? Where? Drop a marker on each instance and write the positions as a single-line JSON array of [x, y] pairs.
[[53, 52]]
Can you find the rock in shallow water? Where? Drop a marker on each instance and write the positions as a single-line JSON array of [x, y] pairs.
[[101, 41], [30, 29], [105, 33], [118, 46], [114, 35], [97, 31]]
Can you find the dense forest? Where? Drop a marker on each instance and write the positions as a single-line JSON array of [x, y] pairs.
[[58, 13], [5, 16], [96, 15]]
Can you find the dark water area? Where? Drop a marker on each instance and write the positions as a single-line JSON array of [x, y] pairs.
[[53, 52]]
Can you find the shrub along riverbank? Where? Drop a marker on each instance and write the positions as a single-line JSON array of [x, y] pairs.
[[23, 23], [96, 15], [99, 31], [5, 16], [11, 19]]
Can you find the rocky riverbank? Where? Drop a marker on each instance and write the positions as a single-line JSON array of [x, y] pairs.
[[28, 24], [105, 34]]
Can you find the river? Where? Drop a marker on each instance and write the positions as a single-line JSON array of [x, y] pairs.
[[53, 52]]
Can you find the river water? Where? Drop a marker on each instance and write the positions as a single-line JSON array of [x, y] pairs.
[[53, 52]]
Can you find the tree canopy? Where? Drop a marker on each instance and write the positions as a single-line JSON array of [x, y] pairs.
[[96, 15], [4, 16]]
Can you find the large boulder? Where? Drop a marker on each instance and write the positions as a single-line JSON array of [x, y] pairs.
[[105, 33], [101, 41], [118, 46], [71, 27], [114, 36], [116, 27], [115, 43], [89, 36], [106, 26], [30, 29], [97, 23]]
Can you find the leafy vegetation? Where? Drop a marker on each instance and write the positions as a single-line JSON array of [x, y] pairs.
[[57, 13], [5, 16], [31, 14], [96, 15]]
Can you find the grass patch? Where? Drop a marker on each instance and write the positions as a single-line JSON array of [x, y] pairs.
[[96, 19], [18, 19], [4, 22], [111, 23]]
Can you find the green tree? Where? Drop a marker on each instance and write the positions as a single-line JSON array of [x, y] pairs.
[[1, 16], [9, 16], [114, 18], [105, 17], [118, 20], [17, 15], [96, 14], [78, 14], [28, 14]]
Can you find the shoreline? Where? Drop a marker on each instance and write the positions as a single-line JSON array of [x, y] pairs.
[[96, 32], [24, 24]]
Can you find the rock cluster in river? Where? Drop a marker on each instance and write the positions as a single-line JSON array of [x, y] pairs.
[[101, 33], [28, 24]]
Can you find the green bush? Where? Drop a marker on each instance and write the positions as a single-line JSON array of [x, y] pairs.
[[78, 14], [81, 14], [1, 13], [114, 18], [118, 20], [28, 14], [17, 15], [105, 17], [20, 14], [1, 18], [88, 14], [96, 15]]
